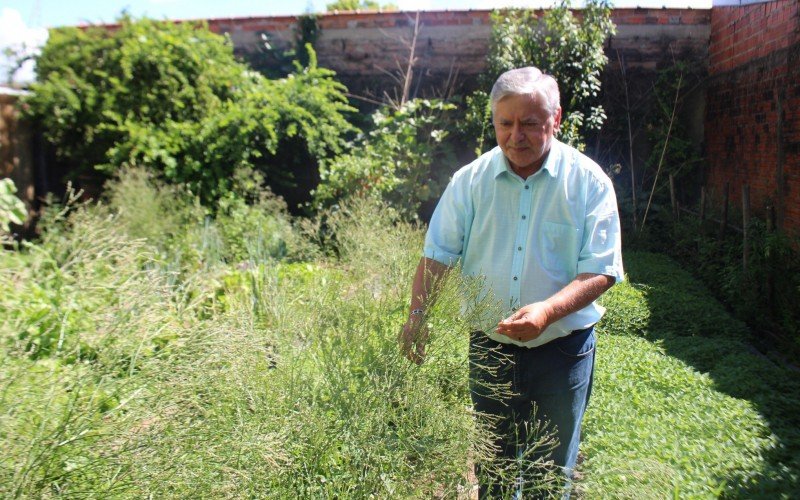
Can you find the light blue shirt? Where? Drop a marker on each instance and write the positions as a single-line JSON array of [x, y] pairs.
[[527, 239]]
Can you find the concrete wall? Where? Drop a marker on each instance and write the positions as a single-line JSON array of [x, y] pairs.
[[452, 45], [753, 112]]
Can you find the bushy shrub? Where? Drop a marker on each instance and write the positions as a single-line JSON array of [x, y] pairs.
[[764, 297], [253, 223], [12, 210], [667, 127], [171, 97], [248, 224], [767, 293], [403, 160], [147, 208], [100, 269]]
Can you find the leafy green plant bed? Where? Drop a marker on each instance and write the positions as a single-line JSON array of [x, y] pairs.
[[682, 405]]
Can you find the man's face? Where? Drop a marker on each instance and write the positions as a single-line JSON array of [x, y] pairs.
[[524, 130]]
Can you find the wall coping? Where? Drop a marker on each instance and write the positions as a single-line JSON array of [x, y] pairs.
[[365, 14]]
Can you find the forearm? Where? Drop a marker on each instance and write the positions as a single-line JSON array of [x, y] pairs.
[[529, 321], [429, 273], [579, 293]]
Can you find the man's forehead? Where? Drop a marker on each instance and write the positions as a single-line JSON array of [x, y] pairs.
[[521, 106]]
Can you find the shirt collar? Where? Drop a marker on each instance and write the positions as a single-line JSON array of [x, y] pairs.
[[551, 165]]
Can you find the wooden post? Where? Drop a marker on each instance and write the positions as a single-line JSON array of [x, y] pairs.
[[702, 211], [745, 226], [769, 275], [726, 198], [672, 198], [770, 218], [702, 204]]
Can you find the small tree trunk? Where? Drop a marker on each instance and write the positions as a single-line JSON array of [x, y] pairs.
[[672, 198], [411, 61]]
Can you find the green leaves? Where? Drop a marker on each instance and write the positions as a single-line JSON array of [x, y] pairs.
[[681, 403], [394, 160], [172, 98], [149, 350], [669, 135], [12, 209], [562, 46]]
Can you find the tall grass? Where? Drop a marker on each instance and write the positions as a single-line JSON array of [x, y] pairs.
[[133, 371]]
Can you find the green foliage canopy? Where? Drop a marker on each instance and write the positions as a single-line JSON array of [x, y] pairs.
[[350, 5], [666, 130], [172, 98], [394, 161]]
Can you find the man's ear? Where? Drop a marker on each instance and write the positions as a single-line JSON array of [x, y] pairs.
[[557, 120]]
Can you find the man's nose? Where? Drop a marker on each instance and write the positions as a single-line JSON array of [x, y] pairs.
[[516, 132]]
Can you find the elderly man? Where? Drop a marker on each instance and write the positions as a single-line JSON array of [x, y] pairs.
[[538, 222]]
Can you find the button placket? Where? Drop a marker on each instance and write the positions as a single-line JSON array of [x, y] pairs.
[[520, 241]]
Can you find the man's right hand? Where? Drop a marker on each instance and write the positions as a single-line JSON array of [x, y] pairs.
[[414, 334], [413, 338]]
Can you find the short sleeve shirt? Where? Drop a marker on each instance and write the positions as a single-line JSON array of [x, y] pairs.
[[528, 238]]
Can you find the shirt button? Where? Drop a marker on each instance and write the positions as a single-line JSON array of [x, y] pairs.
[[515, 278], [519, 248], [523, 217], [527, 187]]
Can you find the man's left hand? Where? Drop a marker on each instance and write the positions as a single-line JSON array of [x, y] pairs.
[[413, 338], [527, 323]]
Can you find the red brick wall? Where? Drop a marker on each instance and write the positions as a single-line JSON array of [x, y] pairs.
[[742, 34], [753, 107]]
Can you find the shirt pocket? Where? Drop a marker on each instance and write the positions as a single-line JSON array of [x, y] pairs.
[[558, 248]]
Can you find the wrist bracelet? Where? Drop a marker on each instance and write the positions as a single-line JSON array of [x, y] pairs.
[[417, 312]]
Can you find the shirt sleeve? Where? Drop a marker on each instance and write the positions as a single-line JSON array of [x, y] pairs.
[[444, 241], [601, 247]]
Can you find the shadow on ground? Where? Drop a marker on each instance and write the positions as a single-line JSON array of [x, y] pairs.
[[693, 327]]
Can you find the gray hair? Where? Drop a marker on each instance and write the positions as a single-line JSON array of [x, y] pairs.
[[523, 81]]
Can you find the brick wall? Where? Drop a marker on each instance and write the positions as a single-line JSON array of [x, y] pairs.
[[753, 107], [452, 45]]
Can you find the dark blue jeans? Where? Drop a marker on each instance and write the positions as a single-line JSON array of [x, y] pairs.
[[523, 395]]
